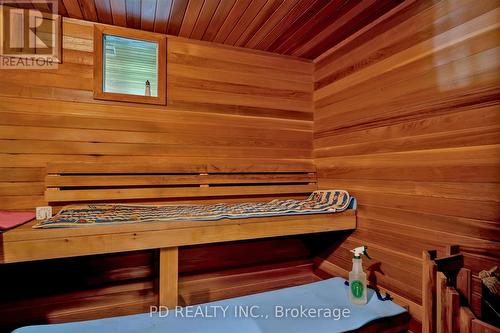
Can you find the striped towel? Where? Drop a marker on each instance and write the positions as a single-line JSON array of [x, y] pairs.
[[108, 214]]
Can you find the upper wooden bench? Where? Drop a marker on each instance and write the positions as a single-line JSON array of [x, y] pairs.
[[68, 183]]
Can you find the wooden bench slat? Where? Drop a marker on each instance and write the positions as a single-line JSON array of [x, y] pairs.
[[105, 168], [91, 181], [135, 180], [52, 195], [295, 166], [179, 167]]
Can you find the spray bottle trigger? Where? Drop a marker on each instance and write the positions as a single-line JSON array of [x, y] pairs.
[[365, 252]]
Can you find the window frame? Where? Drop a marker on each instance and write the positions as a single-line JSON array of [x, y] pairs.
[[161, 40]]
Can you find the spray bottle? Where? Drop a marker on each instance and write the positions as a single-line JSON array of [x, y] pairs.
[[357, 278]]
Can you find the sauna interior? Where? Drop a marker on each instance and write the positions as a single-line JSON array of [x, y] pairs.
[[288, 133]]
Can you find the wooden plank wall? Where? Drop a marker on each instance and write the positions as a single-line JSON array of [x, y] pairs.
[[223, 102], [407, 119], [226, 105]]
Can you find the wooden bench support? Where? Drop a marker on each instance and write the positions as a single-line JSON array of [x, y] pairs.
[[429, 271], [169, 275], [446, 294]]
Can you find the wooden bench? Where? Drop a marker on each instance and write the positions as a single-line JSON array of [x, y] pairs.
[[130, 182]]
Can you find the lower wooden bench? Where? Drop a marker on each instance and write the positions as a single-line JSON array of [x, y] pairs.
[[27, 244]]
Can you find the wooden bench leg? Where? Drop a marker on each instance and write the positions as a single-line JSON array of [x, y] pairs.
[[169, 274], [429, 271]]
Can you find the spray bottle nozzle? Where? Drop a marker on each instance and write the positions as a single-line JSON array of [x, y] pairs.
[[359, 251]]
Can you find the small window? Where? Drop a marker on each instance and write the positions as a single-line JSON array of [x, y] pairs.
[[129, 66]]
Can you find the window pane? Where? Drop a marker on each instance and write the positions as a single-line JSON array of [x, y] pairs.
[[128, 64]]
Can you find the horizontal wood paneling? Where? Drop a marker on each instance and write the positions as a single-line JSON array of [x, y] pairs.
[[407, 119], [243, 281], [223, 103], [228, 110]]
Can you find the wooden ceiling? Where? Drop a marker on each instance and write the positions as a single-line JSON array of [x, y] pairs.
[[304, 28]]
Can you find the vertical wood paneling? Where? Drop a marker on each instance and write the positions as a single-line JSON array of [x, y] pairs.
[[262, 16], [61, 8], [177, 12], [103, 9], [73, 8], [297, 27], [218, 18], [162, 15], [230, 22], [118, 12], [244, 21], [88, 8], [148, 14], [190, 17], [204, 18], [309, 21], [272, 22], [298, 19], [332, 28], [133, 13], [407, 119], [285, 24]]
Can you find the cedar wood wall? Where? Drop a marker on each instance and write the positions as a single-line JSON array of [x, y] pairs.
[[407, 119], [225, 105], [223, 102]]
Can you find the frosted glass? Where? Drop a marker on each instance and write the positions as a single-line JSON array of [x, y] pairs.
[[128, 64]]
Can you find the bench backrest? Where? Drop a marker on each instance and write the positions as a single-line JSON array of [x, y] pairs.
[[77, 182]]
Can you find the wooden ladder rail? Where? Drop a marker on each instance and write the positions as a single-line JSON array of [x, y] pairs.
[[446, 292]]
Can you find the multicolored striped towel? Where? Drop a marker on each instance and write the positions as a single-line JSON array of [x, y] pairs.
[[108, 214]]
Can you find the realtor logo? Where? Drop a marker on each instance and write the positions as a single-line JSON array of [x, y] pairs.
[[30, 34]]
